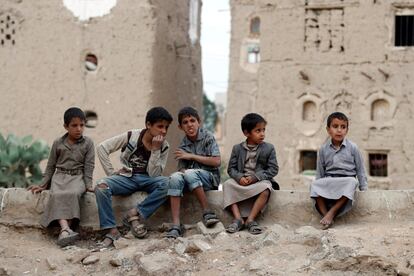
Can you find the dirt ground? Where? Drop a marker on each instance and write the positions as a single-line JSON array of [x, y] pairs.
[[345, 249]]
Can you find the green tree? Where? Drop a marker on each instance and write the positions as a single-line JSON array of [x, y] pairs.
[[210, 114]]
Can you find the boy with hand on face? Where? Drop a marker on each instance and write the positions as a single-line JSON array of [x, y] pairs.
[[143, 157]]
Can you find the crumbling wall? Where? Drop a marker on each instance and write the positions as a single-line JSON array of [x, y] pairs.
[[43, 50], [318, 57]]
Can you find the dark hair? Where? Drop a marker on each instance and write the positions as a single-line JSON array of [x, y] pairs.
[[73, 112], [157, 114], [187, 111], [250, 120], [337, 115]]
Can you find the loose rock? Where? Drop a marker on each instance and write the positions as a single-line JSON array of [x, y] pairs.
[[218, 228], [90, 260]]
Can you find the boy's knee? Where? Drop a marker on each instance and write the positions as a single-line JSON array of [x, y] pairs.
[[101, 188], [266, 192]]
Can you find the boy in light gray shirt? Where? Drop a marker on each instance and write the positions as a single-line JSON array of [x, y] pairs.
[[339, 166]]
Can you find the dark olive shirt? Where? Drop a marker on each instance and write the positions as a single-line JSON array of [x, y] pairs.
[[66, 156]]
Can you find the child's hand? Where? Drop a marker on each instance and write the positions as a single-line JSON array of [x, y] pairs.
[[90, 189], [121, 171], [35, 189], [179, 154], [251, 179], [244, 181], [157, 142]]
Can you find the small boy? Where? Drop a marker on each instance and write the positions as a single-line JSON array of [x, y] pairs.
[[198, 169], [339, 162], [252, 166], [144, 155], [68, 175]]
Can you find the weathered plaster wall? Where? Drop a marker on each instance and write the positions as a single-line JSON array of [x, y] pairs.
[[42, 66], [298, 65]]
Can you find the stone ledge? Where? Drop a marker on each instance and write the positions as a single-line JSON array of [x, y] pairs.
[[21, 208]]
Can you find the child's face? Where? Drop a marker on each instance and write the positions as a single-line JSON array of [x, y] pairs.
[[257, 135], [337, 130], [158, 128], [75, 128], [190, 126]]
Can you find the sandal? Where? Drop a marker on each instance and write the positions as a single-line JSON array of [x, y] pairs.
[[175, 231], [139, 231], [209, 218], [102, 245], [254, 228], [67, 236], [235, 226]]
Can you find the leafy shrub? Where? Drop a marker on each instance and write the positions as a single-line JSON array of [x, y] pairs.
[[19, 160]]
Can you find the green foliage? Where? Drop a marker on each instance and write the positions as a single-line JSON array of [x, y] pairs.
[[223, 172], [210, 114], [19, 160]]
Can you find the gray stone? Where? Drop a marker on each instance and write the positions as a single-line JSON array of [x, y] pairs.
[[4, 271], [116, 259], [121, 243], [269, 239], [180, 247], [221, 237], [201, 245], [410, 264], [308, 235], [51, 263], [218, 228], [78, 255], [90, 260], [156, 263]]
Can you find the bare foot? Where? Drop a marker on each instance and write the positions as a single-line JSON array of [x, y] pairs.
[[327, 219]]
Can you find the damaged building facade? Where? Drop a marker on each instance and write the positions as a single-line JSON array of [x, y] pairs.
[[115, 65], [297, 61]]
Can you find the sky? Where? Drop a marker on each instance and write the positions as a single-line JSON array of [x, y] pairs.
[[215, 39]]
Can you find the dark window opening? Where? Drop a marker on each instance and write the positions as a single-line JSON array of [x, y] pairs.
[[404, 30], [91, 119], [378, 164], [307, 162], [91, 62], [255, 26]]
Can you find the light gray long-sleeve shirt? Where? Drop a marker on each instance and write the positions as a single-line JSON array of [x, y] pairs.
[[156, 162], [347, 161]]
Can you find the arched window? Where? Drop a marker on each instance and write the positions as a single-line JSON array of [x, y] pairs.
[[255, 26], [309, 111], [380, 110], [253, 53]]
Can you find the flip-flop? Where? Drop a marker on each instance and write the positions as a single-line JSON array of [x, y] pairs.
[[68, 238], [254, 228], [235, 226], [175, 231], [102, 246], [209, 218], [139, 231]]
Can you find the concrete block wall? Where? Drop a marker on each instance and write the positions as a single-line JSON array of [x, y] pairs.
[[292, 208]]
